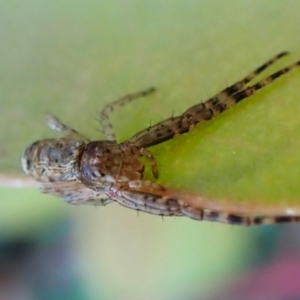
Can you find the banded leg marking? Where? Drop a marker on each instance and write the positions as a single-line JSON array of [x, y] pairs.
[[175, 126], [213, 216]]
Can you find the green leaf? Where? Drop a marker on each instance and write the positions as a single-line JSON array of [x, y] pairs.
[[72, 58]]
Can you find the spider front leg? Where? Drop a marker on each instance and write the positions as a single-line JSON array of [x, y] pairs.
[[222, 102], [55, 124], [247, 92], [239, 85], [109, 108], [201, 112]]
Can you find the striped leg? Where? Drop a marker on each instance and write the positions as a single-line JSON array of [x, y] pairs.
[[213, 216], [109, 108], [238, 86], [175, 126]]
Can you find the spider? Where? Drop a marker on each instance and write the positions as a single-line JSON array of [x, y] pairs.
[[100, 172]]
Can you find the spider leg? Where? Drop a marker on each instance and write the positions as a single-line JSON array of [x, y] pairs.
[[239, 85], [175, 126], [150, 202], [145, 185], [247, 92], [109, 108], [159, 203], [55, 124], [144, 152], [75, 192], [214, 216], [124, 201]]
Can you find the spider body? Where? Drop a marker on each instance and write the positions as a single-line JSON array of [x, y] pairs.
[[99, 172]]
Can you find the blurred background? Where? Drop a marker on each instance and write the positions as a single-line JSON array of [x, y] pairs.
[[71, 58]]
